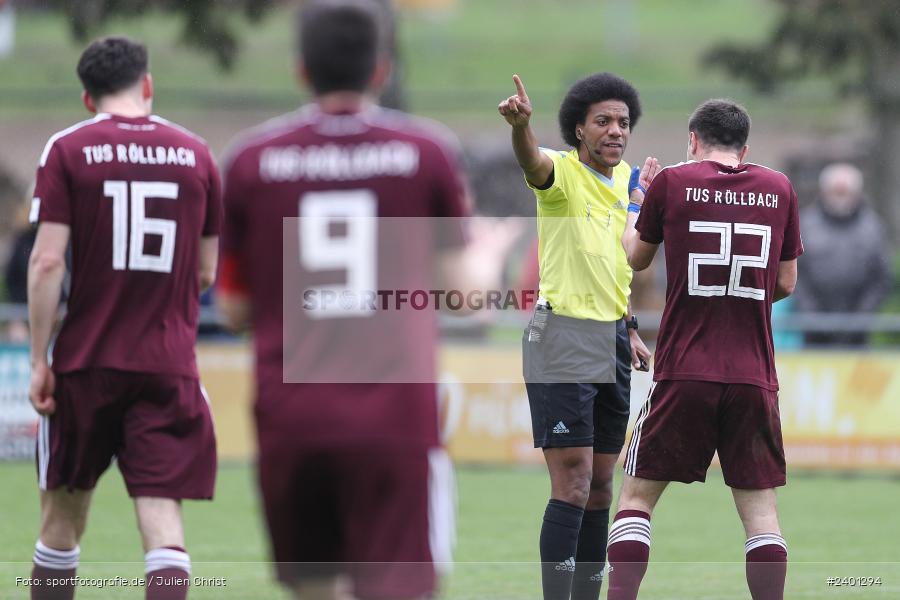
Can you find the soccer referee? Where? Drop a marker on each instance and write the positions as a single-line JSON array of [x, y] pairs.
[[582, 341]]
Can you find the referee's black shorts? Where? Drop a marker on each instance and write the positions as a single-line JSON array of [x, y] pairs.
[[578, 380]]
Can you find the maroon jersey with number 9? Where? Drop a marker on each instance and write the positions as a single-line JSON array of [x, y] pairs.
[[358, 167]]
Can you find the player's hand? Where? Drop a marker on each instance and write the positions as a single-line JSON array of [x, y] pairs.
[[516, 109], [647, 173], [40, 392], [640, 354], [492, 238], [486, 255]]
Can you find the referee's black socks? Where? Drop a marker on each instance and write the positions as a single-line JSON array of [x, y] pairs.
[[590, 558], [559, 543]]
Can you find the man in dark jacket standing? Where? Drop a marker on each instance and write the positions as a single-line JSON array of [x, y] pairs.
[[846, 267]]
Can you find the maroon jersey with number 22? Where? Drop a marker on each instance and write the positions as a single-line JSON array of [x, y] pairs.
[[725, 231]]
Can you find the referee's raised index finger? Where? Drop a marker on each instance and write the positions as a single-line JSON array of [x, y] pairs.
[[520, 87]]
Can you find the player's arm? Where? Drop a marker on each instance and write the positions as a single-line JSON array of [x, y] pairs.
[[233, 296], [640, 354], [537, 166], [640, 253], [235, 310], [477, 266], [46, 270], [209, 259], [786, 280]]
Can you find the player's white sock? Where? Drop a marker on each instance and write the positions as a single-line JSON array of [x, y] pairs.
[[168, 573], [161, 559], [630, 526], [765, 539], [58, 560], [53, 573]]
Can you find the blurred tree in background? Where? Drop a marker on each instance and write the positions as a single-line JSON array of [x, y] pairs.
[[856, 45], [209, 25]]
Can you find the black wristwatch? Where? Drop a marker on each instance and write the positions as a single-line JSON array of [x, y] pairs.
[[631, 323]]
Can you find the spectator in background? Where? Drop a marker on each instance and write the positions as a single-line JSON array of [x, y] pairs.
[[16, 273], [845, 268], [7, 28]]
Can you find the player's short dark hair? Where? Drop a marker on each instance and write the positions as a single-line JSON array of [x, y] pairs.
[[340, 41], [110, 65], [590, 90], [721, 123]]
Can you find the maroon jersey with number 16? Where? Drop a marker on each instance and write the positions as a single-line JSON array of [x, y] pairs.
[[725, 231], [138, 194]]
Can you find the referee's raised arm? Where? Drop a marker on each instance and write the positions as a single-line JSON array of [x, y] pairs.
[[517, 110]]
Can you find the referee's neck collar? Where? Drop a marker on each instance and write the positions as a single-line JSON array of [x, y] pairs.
[[608, 181]]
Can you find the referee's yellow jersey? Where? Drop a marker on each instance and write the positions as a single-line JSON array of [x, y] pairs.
[[580, 218]]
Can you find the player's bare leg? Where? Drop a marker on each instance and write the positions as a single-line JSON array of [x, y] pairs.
[[329, 588], [159, 521], [758, 511], [590, 557], [765, 548], [629, 536], [167, 564], [63, 520], [570, 484], [640, 494], [64, 517], [326, 588]]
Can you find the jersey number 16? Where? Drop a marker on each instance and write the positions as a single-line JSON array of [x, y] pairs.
[[141, 225]]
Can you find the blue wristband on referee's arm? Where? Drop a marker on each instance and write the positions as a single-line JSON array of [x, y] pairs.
[[634, 182], [635, 208]]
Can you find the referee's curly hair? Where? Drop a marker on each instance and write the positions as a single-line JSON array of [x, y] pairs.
[[590, 90]]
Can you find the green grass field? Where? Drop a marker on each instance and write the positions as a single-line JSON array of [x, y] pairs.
[[836, 526]]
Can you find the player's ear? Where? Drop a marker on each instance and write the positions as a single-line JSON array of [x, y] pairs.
[[88, 102], [302, 72], [743, 153], [147, 87], [380, 75]]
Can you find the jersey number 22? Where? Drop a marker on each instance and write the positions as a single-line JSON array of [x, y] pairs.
[[724, 257]]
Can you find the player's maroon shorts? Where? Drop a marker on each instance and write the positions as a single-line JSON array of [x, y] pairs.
[[158, 427], [683, 423], [371, 513]]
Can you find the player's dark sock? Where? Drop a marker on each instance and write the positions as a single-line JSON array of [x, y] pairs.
[[56, 565], [168, 573], [591, 555], [766, 566], [629, 551], [559, 540]]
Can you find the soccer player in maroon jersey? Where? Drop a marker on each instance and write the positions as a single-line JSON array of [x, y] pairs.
[[138, 198], [732, 238], [344, 467]]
